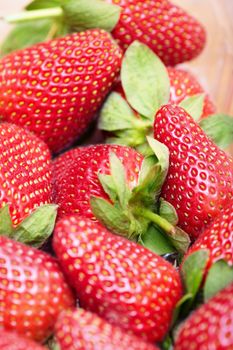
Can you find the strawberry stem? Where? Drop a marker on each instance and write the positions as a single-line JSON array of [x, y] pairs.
[[24, 16], [156, 219]]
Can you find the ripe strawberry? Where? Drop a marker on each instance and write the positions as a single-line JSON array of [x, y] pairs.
[[168, 30], [217, 238], [76, 175], [25, 171], [55, 88], [79, 329], [12, 341], [33, 290], [117, 279], [210, 326], [200, 178], [185, 84]]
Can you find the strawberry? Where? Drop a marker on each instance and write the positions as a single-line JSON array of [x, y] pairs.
[[184, 84], [119, 187], [25, 172], [117, 279], [200, 178], [80, 329], [217, 238], [12, 341], [55, 88], [210, 326], [33, 290], [129, 111], [76, 175], [167, 29]]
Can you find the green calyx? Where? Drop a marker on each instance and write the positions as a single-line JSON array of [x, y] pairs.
[[146, 86], [131, 211], [34, 230]]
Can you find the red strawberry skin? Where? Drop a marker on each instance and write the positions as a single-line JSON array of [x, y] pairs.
[[200, 177], [168, 30], [25, 171], [117, 279], [33, 290], [209, 327], [185, 84], [12, 341], [75, 175], [55, 88], [80, 329], [217, 238]]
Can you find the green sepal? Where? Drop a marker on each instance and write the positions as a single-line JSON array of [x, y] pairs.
[[119, 179], [116, 114], [118, 117], [167, 211], [108, 186], [193, 270], [83, 14], [219, 276], [161, 151], [6, 226], [35, 229], [29, 33], [110, 216], [194, 105], [144, 79], [156, 241], [179, 239], [219, 128], [42, 4]]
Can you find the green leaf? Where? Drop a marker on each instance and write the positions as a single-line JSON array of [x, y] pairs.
[[83, 14], [219, 276], [110, 216], [118, 174], [37, 227], [6, 226], [193, 270], [219, 127], [42, 4], [161, 152], [116, 114], [167, 211], [145, 80], [194, 105], [108, 185], [26, 34], [180, 240], [156, 241]]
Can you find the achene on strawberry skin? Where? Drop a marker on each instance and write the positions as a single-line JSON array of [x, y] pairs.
[[117, 279], [55, 88]]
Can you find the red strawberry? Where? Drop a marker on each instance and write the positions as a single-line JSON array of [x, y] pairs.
[[217, 238], [119, 280], [209, 327], [84, 330], [168, 30], [200, 178], [12, 341], [33, 290], [185, 84], [55, 88], [75, 175], [25, 171]]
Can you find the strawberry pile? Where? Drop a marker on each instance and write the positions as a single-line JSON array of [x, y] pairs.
[[116, 188]]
